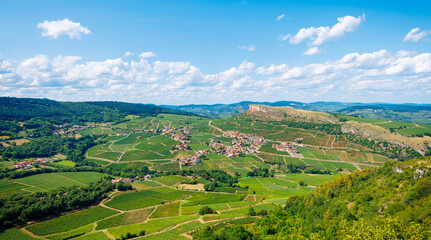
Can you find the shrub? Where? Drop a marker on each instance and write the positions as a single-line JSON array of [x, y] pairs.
[[206, 210], [251, 211]]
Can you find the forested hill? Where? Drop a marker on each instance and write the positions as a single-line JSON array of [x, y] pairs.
[[418, 113], [229, 110], [392, 202], [22, 109]]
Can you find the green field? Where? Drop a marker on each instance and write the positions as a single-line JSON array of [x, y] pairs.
[[8, 188], [51, 181], [65, 163], [14, 234], [167, 210], [110, 222], [129, 201], [171, 180], [108, 155], [151, 226], [70, 221], [164, 211]]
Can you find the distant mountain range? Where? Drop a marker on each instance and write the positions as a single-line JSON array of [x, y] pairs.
[[409, 112], [26, 108]]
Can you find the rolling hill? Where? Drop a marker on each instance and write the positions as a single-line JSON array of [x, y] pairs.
[[399, 133], [392, 202], [418, 113], [22, 109]]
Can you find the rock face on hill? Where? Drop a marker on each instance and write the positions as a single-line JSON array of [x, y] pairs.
[[364, 129], [290, 113], [260, 108]]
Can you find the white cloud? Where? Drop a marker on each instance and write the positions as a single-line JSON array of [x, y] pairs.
[[312, 51], [375, 76], [128, 54], [54, 29], [284, 37], [414, 35], [147, 55], [279, 18], [250, 47], [316, 36]]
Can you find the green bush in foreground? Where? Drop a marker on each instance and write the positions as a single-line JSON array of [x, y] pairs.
[[206, 210], [228, 232], [392, 202]]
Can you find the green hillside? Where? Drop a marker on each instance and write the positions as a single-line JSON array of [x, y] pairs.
[[22, 109], [248, 167], [392, 202], [417, 113]]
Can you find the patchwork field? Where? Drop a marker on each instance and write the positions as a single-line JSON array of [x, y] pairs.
[[70, 221], [46, 182], [322, 151], [160, 208], [165, 211]]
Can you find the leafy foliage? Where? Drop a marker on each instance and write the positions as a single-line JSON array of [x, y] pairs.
[[260, 172], [393, 202], [206, 210], [73, 148]]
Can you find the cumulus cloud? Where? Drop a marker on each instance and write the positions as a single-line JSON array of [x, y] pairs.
[[54, 29], [249, 48], [415, 36], [147, 55], [279, 18], [318, 35], [128, 54], [311, 51], [376, 76]]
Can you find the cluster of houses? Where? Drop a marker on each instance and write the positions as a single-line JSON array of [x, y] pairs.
[[122, 134], [289, 147], [178, 134], [181, 136], [65, 129], [244, 138], [130, 180], [241, 143], [195, 159], [137, 130], [29, 164]]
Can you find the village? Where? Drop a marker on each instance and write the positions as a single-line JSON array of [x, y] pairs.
[[65, 129], [29, 164], [241, 144], [130, 180], [289, 147]]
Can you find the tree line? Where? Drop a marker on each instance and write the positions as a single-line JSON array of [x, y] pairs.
[[19, 209], [24, 109], [73, 148]]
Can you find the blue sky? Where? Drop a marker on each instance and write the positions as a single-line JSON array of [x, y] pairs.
[[216, 51]]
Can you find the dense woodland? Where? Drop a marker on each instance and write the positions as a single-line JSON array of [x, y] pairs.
[[73, 148], [22, 109]]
